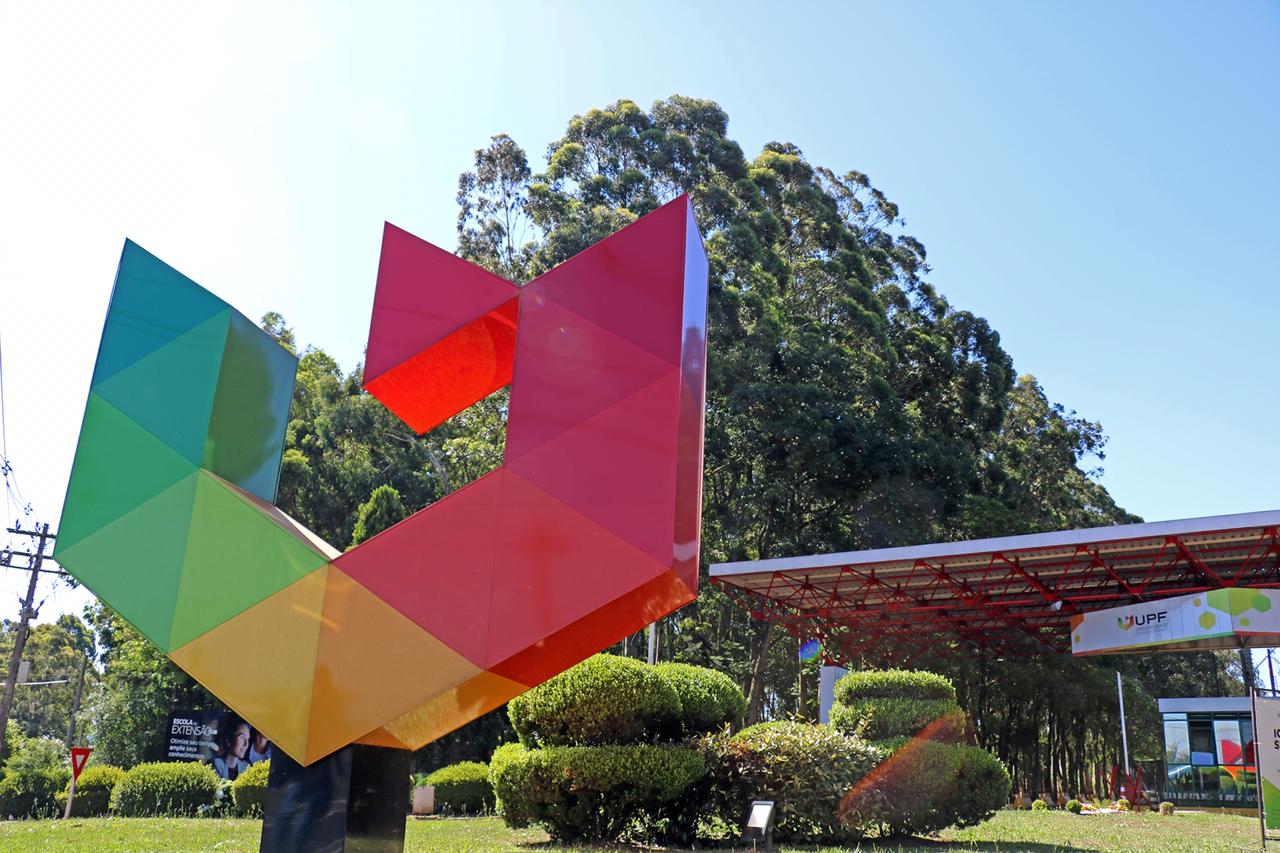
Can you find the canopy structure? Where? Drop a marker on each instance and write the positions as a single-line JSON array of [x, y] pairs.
[[1011, 595]]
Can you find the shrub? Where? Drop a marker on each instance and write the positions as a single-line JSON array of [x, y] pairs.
[[805, 769], [249, 790], [179, 788], [884, 704], [36, 753], [927, 786], [1166, 807], [603, 700], [1122, 805], [1075, 806], [463, 788], [590, 792], [93, 791], [709, 700], [893, 684], [32, 793], [1039, 806]]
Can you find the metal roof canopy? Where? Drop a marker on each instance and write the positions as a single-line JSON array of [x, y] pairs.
[[1011, 595]]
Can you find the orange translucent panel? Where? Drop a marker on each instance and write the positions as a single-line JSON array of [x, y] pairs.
[[372, 665], [459, 706], [271, 646]]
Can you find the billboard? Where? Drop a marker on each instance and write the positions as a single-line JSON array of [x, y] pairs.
[[1219, 618], [1266, 721], [219, 738]]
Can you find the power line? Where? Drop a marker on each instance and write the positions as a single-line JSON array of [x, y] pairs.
[[4, 431], [12, 494]]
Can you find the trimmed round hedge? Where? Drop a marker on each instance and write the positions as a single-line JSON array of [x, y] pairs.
[[606, 699], [93, 791], [892, 703], [927, 786], [895, 683], [249, 791], [590, 792], [176, 789], [805, 769], [709, 700], [463, 788]]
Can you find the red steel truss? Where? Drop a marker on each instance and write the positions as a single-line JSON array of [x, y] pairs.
[[1010, 596]]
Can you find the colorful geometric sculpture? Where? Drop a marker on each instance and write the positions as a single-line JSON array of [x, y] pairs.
[[586, 533]]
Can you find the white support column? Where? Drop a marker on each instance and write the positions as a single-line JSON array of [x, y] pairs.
[[827, 690]]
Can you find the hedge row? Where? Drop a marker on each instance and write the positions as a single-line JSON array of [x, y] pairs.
[[178, 788], [172, 789], [32, 793]]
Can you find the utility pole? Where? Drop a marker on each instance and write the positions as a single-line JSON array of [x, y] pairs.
[[75, 703], [1272, 670], [34, 559]]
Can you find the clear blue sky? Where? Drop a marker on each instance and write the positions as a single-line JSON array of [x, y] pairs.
[[1099, 180]]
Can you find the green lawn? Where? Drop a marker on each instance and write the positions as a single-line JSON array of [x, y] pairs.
[[1039, 832]]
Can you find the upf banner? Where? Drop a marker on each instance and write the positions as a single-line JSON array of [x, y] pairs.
[[1266, 712], [1187, 621]]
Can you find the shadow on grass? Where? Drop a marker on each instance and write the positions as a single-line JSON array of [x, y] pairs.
[[887, 845]]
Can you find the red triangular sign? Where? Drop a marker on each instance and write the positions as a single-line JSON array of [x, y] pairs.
[[79, 755]]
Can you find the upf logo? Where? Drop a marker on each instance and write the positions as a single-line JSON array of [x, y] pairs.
[[1143, 620]]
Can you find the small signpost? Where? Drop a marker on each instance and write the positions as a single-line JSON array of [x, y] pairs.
[[79, 755]]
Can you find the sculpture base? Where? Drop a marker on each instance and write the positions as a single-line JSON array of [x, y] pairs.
[[353, 801]]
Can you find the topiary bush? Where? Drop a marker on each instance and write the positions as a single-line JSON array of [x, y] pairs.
[[93, 791], [590, 792], [893, 703], [463, 788], [32, 793], [709, 700], [603, 700], [1075, 806], [1122, 805], [927, 786], [1166, 808], [805, 769], [177, 789], [249, 790], [1039, 806]]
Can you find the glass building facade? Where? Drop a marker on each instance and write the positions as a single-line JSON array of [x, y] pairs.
[[1208, 752]]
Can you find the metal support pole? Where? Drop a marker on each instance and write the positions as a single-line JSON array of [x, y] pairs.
[[1124, 734], [827, 690], [71, 796], [1257, 763]]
